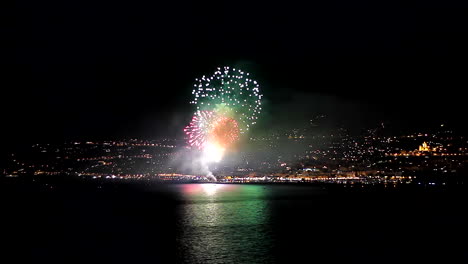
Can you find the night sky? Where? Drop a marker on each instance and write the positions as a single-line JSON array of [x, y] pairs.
[[76, 70]]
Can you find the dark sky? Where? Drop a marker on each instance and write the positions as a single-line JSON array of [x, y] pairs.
[[76, 69]]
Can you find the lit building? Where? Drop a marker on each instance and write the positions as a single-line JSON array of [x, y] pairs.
[[425, 147]]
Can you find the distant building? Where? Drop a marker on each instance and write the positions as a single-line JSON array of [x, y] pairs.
[[426, 148]]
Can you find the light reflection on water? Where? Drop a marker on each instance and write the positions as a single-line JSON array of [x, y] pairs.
[[210, 189], [224, 223]]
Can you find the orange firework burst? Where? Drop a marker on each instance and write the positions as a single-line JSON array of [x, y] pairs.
[[225, 131], [207, 126]]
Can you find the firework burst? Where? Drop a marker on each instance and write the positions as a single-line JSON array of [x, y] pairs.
[[231, 93], [225, 131], [228, 103], [198, 131], [209, 126]]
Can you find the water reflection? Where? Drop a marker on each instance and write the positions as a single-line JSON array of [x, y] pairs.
[[210, 189], [222, 223]]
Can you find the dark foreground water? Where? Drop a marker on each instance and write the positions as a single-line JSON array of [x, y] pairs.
[[222, 223]]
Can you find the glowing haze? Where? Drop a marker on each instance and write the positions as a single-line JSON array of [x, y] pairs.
[[228, 104]]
